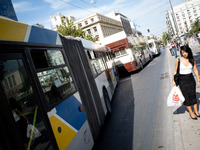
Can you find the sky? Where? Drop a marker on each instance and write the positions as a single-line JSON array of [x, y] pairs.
[[146, 14]]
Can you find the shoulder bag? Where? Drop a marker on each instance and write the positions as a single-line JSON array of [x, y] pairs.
[[176, 76]]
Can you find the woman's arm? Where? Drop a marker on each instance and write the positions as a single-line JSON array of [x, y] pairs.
[[175, 71], [19, 112], [196, 74]]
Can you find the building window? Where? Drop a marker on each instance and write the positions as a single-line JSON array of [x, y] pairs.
[[89, 32], [97, 36], [80, 24], [95, 29], [86, 22], [92, 19]]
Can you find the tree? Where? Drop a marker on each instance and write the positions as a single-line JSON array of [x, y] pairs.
[[195, 27], [166, 37], [67, 28], [142, 43]]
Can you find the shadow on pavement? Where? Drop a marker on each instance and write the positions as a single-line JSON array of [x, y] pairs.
[[117, 132], [182, 109]]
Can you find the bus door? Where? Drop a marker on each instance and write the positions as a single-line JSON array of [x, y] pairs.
[[22, 119], [108, 71]]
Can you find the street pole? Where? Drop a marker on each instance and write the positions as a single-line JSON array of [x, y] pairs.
[[174, 20], [135, 28]]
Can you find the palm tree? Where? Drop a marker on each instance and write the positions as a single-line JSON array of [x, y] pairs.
[[195, 27], [166, 37]]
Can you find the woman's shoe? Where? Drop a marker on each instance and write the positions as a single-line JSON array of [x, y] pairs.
[[194, 118], [197, 115]]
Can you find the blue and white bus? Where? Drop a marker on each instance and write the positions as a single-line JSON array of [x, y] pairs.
[[59, 88]]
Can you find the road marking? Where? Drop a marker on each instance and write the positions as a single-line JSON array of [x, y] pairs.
[[164, 76]]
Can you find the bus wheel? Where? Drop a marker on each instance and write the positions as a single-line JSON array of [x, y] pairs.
[[107, 102], [141, 65]]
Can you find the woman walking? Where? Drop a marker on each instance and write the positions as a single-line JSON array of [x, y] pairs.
[[174, 49], [187, 82]]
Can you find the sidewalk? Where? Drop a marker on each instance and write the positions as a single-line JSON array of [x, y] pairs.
[[186, 130]]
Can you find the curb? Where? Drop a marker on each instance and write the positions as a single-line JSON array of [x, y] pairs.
[[176, 119]]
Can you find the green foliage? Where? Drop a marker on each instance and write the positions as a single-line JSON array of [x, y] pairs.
[[69, 29], [166, 37], [159, 42], [142, 43], [195, 28]]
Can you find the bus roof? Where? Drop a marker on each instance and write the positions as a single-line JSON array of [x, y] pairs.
[[20, 32], [92, 45]]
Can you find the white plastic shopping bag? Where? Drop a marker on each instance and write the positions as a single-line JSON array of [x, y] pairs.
[[175, 97], [32, 130]]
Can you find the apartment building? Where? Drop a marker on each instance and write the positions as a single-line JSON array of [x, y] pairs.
[[7, 9], [184, 14], [123, 19], [57, 20], [99, 26]]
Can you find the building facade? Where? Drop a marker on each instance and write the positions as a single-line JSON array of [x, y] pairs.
[[57, 20], [99, 26], [7, 9], [184, 14], [123, 19]]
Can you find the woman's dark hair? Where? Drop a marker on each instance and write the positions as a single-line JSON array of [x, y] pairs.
[[187, 49], [14, 104]]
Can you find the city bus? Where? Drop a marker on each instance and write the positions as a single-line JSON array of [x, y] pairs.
[[55, 91], [128, 56], [154, 46]]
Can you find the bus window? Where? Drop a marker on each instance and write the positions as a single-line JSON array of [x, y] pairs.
[[123, 52], [89, 56], [92, 54], [117, 53], [55, 78], [96, 62], [22, 102], [95, 66], [47, 58], [150, 45]]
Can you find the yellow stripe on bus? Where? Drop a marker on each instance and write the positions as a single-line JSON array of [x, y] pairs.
[[12, 30], [62, 133]]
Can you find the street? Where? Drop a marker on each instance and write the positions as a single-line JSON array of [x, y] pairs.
[[141, 119]]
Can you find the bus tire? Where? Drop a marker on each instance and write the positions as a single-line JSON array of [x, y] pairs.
[[107, 102]]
